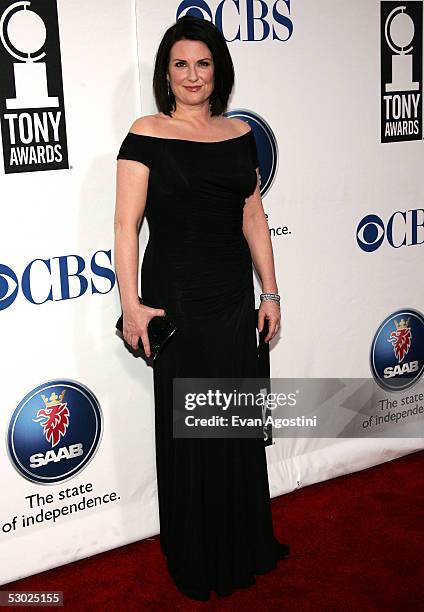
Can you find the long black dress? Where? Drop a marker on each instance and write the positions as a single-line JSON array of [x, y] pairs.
[[214, 505]]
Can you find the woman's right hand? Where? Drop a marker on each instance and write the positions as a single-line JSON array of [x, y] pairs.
[[135, 325]]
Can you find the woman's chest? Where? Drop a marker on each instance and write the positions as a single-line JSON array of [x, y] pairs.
[[202, 171]]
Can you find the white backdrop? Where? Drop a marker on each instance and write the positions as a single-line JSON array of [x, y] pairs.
[[319, 90]]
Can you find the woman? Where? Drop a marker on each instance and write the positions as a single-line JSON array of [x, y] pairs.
[[194, 172]]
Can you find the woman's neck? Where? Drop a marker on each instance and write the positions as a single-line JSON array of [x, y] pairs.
[[193, 114]]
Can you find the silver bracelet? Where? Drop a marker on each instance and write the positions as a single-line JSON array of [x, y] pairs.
[[270, 296]]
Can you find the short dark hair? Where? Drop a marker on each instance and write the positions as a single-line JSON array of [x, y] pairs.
[[194, 28]]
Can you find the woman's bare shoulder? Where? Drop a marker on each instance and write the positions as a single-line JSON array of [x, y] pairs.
[[149, 125], [242, 127]]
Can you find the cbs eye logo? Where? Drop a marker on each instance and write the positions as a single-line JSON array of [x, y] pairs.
[[8, 286], [198, 9], [370, 233]]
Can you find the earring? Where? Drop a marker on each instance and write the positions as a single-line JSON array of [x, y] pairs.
[[169, 88]]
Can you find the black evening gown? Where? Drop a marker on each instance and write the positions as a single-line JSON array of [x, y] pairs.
[[214, 505]]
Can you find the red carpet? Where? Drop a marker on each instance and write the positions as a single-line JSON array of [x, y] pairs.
[[357, 544]]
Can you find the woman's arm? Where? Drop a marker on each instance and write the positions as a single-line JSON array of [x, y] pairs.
[[131, 191], [256, 232]]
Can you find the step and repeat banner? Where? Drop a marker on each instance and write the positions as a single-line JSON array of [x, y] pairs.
[[333, 92]]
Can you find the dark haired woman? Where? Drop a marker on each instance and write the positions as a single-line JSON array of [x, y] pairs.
[[194, 172]]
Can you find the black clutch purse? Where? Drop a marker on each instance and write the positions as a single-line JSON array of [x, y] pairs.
[[159, 330]]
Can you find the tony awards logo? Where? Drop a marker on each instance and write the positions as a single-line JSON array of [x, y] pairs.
[[32, 107], [399, 33], [26, 32], [401, 71]]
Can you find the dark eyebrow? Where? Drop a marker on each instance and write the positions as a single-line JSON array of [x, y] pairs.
[[176, 59]]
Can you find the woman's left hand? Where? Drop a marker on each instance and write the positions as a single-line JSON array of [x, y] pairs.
[[270, 310]]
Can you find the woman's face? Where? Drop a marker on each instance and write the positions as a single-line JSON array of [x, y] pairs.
[[191, 71]]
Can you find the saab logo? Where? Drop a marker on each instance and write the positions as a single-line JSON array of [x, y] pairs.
[[245, 20], [55, 431], [401, 51], [404, 228], [32, 112], [266, 144], [397, 351], [58, 278]]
